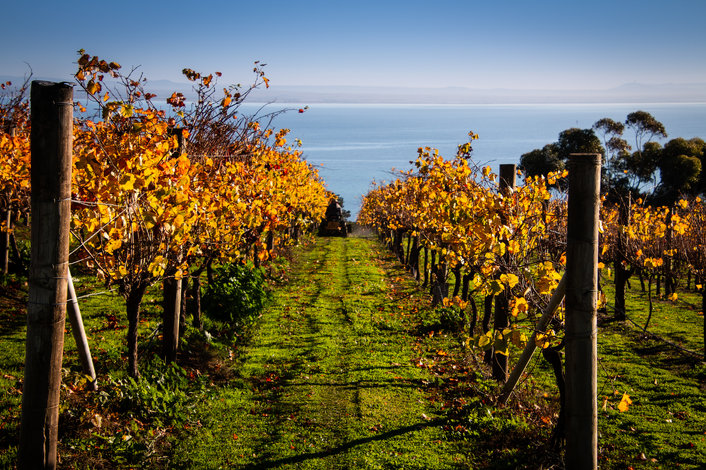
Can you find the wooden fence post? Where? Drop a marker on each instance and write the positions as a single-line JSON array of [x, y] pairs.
[[170, 321], [7, 229], [501, 320], [8, 128], [581, 329], [51, 141]]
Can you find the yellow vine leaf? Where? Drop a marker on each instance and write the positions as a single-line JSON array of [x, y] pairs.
[[625, 403], [510, 279], [93, 87]]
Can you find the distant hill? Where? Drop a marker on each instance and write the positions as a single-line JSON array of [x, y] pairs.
[[627, 93]]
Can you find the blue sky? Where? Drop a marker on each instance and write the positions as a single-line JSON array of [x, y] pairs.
[[507, 44]]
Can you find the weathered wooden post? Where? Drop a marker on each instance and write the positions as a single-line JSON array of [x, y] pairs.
[[172, 310], [9, 128], [501, 320], [581, 329], [51, 118], [5, 255]]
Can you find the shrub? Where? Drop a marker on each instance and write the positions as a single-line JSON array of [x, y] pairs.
[[237, 295]]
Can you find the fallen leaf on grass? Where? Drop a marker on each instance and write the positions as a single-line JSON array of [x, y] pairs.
[[624, 403]]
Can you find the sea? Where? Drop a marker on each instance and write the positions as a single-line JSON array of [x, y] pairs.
[[353, 145]]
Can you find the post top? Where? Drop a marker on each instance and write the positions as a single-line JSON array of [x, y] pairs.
[[585, 159], [47, 83]]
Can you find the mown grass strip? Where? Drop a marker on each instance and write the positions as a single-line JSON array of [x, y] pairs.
[[327, 381]]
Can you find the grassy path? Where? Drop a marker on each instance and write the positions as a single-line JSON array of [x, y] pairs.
[[327, 380]]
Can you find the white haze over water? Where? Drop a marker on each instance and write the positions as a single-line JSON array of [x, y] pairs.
[[354, 144]]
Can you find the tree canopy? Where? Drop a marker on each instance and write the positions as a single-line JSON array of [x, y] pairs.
[[648, 170]]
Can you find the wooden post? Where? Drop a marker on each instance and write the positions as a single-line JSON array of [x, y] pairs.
[[621, 274], [51, 118], [5, 255], [581, 329], [9, 128], [79, 334], [508, 176], [501, 320], [170, 319]]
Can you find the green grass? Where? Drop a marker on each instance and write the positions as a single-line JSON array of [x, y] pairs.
[[327, 381], [349, 367], [106, 325], [665, 427]]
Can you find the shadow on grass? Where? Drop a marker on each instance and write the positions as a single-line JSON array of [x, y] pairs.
[[346, 446]]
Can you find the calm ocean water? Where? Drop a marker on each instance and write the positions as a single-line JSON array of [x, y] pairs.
[[356, 144]]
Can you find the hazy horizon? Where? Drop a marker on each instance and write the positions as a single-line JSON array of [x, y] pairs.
[[551, 45], [636, 93]]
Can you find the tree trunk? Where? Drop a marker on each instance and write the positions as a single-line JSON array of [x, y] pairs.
[[255, 257], [487, 313], [474, 316], [409, 248], [649, 303], [51, 154], [688, 280], [209, 271], [466, 285], [413, 261], [501, 323], [19, 265], [196, 296], [270, 243], [426, 267], [440, 286], [621, 278], [458, 280]]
